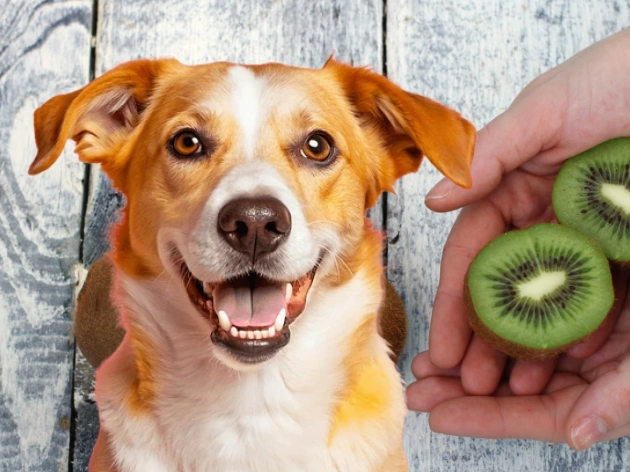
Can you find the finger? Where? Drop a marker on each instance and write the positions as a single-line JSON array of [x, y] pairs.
[[602, 413], [481, 368], [562, 380], [422, 367], [593, 342], [559, 381], [502, 145], [425, 394], [539, 417], [449, 332], [531, 378]]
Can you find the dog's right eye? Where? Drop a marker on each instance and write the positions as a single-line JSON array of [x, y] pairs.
[[186, 144]]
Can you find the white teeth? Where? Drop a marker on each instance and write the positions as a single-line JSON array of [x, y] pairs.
[[289, 292], [224, 321], [235, 332], [280, 320]]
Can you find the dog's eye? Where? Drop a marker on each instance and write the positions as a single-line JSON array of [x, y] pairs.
[[186, 144], [318, 147]]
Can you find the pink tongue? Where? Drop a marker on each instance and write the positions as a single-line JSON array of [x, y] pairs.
[[245, 307]]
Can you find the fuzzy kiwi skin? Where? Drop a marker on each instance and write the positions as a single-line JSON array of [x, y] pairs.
[[505, 346]]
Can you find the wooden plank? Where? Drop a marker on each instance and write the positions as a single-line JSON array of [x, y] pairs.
[[476, 56], [302, 33], [44, 50]]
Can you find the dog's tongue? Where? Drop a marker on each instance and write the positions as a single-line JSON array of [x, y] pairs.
[[250, 301]]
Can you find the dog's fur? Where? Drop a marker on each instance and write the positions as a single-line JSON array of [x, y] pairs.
[[176, 396]]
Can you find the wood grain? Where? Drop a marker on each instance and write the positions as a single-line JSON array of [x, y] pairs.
[[44, 50], [476, 56]]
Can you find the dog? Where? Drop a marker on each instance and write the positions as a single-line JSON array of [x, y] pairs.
[[246, 273]]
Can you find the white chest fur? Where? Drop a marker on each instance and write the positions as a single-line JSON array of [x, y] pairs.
[[208, 417]]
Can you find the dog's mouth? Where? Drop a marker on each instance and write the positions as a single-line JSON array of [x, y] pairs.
[[251, 314]]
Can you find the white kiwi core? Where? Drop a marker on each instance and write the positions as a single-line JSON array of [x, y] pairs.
[[618, 195], [541, 285]]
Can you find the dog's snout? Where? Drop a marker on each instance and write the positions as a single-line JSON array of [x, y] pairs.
[[254, 226]]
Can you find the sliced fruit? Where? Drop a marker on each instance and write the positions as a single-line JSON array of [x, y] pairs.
[[592, 195], [534, 293]]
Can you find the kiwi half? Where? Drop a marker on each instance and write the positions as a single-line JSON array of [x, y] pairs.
[[534, 293], [592, 195]]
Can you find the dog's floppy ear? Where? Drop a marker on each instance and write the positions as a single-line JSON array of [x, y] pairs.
[[96, 115], [410, 126]]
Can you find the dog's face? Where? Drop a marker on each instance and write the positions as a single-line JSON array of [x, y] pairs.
[[246, 183]]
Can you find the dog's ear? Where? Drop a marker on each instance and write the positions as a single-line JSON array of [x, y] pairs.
[[410, 126], [97, 115]]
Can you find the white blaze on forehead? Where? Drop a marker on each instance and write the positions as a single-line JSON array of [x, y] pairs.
[[246, 97]]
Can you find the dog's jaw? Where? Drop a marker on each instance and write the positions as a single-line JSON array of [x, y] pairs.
[[250, 315]]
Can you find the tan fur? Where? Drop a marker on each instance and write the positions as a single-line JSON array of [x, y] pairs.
[[102, 459]]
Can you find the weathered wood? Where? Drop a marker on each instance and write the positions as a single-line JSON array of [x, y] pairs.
[[476, 56], [44, 50]]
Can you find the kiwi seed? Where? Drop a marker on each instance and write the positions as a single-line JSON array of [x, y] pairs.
[[534, 293], [592, 195]]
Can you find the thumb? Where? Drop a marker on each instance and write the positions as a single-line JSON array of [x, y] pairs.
[[603, 411], [511, 139]]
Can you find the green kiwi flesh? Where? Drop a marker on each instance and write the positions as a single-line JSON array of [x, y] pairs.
[[534, 293], [592, 195]]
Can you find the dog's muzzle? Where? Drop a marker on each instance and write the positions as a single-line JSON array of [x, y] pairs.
[[251, 312]]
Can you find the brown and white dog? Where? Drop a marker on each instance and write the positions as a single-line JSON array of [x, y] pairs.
[[247, 275]]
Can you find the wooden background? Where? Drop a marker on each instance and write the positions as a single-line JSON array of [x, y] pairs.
[[474, 55]]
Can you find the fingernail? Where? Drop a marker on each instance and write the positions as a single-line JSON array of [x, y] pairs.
[[442, 189], [588, 432]]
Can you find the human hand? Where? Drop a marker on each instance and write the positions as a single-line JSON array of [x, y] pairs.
[[585, 400], [571, 108]]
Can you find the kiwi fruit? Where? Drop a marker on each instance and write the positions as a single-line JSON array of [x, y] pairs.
[[592, 195], [534, 293]]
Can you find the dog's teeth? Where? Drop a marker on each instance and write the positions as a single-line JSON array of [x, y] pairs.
[[234, 332], [224, 321], [289, 292], [280, 320], [250, 334], [272, 331], [242, 334], [264, 333], [258, 334]]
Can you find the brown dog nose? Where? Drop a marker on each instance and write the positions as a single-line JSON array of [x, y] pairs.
[[254, 226]]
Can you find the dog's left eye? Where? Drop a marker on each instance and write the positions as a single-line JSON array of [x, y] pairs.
[[186, 144], [318, 147]]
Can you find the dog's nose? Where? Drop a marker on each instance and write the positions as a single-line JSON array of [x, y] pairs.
[[254, 226]]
